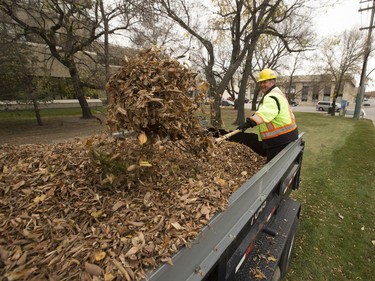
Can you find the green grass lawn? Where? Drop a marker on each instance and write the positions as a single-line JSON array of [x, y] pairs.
[[337, 193], [13, 115]]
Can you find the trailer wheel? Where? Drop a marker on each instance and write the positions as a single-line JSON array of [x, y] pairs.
[[276, 274], [285, 256]]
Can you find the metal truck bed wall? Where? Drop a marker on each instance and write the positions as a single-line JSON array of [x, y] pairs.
[[195, 262]]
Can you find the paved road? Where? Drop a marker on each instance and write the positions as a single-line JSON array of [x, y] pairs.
[[369, 111]]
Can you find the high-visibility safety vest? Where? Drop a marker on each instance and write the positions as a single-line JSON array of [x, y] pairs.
[[274, 116]]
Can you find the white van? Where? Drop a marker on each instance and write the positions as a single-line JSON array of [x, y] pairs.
[[324, 105]]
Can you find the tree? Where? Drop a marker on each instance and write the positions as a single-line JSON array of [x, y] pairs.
[[68, 28], [239, 22], [16, 81], [295, 63], [286, 33], [341, 57]]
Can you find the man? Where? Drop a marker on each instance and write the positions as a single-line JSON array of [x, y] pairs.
[[274, 118]]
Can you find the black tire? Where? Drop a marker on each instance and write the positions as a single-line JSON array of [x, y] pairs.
[[276, 274], [287, 252]]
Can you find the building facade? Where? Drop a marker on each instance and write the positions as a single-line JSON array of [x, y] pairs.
[[309, 89]]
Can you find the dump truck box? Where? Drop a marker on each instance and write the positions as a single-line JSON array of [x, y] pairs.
[[253, 238]]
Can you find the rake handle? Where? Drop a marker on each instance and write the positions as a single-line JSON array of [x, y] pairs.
[[226, 136]]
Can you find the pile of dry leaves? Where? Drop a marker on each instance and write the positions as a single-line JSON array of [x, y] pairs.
[[105, 208], [62, 217], [150, 93]]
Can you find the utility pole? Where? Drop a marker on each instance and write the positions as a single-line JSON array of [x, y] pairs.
[[361, 89]]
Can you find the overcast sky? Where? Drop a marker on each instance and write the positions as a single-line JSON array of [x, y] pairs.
[[344, 16], [340, 17]]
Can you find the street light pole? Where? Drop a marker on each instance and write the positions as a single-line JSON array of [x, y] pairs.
[[361, 89]]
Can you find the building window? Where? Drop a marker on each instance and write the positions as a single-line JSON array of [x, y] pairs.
[[315, 96], [292, 92], [305, 93], [339, 98], [327, 93]]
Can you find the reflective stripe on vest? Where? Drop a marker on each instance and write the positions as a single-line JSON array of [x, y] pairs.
[[257, 119], [277, 132]]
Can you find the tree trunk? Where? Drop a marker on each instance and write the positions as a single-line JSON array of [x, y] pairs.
[[243, 87], [255, 97], [37, 112], [86, 111], [33, 98], [216, 121], [106, 45], [215, 111], [336, 94]]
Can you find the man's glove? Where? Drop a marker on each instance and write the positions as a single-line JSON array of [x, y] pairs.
[[248, 124]]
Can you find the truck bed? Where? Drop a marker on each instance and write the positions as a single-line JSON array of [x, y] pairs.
[[245, 205]]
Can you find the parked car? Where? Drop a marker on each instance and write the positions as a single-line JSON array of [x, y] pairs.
[[227, 103], [293, 103], [325, 105]]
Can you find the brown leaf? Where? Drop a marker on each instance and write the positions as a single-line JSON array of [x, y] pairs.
[[93, 269], [176, 225], [132, 251], [122, 270], [97, 214], [142, 138], [144, 163], [99, 255], [167, 260], [118, 205], [4, 254], [136, 223], [205, 210], [271, 258], [131, 168], [40, 198], [22, 259], [18, 185], [109, 277]]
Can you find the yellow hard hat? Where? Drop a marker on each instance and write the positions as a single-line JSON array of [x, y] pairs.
[[266, 74]]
